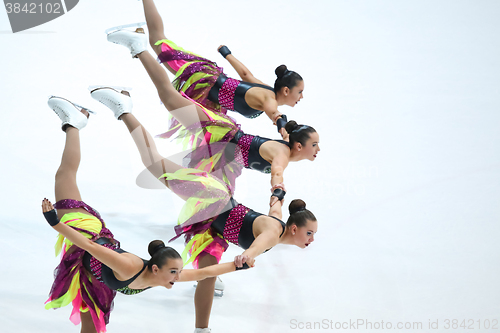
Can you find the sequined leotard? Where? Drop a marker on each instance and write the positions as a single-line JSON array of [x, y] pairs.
[[236, 225], [249, 155], [105, 274], [230, 94]]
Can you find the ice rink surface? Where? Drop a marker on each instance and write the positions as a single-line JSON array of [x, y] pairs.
[[406, 98]]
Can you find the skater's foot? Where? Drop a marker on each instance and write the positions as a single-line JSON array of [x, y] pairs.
[[70, 114], [117, 101], [202, 330], [135, 41]]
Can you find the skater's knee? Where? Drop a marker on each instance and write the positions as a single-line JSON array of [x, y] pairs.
[[153, 38], [152, 42], [65, 173], [207, 260]]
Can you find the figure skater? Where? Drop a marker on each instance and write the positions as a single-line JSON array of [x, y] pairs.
[[205, 82], [270, 156], [93, 267], [208, 239]]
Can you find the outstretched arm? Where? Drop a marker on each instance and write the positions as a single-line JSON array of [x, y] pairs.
[[266, 240], [124, 265], [270, 106], [241, 69], [210, 271], [276, 207], [278, 166]]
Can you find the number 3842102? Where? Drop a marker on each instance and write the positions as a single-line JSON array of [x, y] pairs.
[[33, 8]]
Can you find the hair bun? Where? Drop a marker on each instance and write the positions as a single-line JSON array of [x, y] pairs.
[[155, 246], [296, 206], [291, 126], [280, 71]]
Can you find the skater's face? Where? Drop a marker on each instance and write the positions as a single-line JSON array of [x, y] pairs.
[[305, 235], [170, 272], [311, 148], [293, 95]]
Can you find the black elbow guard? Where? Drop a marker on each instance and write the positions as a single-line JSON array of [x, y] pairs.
[[51, 217], [281, 122], [224, 51]]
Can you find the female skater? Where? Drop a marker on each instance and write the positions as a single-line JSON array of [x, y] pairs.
[[208, 239], [93, 267], [217, 129], [204, 82]]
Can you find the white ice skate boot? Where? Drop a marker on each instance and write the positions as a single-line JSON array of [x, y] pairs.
[[219, 287], [202, 330], [69, 113], [118, 102], [135, 41]]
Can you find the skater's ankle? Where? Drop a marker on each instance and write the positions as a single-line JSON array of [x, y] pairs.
[[67, 128], [139, 54]]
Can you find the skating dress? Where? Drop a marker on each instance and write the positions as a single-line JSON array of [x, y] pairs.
[[234, 224], [73, 282], [203, 81]]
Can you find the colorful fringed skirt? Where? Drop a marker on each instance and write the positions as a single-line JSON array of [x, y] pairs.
[[195, 75], [209, 200], [203, 81], [206, 237], [208, 197], [73, 283]]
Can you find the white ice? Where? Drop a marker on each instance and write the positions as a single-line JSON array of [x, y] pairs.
[[406, 98]]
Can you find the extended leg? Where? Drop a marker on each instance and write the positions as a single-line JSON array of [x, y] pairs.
[[65, 185], [155, 27], [151, 158], [185, 111]]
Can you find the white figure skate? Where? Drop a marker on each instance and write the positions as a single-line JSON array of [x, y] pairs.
[[219, 287], [68, 112], [135, 41], [202, 330], [116, 101]]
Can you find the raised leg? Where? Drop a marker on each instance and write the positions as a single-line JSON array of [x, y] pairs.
[[185, 111], [151, 158], [155, 27], [204, 295], [65, 184]]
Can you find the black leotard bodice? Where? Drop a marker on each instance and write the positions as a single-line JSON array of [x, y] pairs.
[[245, 236], [255, 160], [108, 277], [240, 105]]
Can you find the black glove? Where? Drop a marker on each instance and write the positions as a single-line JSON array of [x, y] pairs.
[[281, 122], [245, 266], [278, 193], [51, 217], [224, 51]]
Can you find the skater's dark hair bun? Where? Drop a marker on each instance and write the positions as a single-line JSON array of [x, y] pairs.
[[280, 71], [299, 215], [285, 78], [160, 254], [298, 133], [296, 205]]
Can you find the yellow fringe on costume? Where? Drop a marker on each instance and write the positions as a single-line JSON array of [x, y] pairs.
[[81, 221]]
